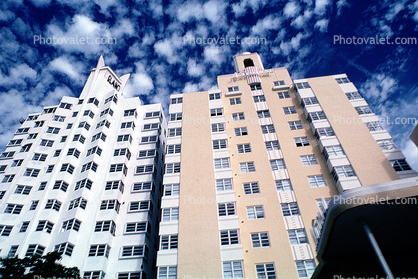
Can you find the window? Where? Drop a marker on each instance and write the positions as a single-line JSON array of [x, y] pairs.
[[324, 132], [49, 110], [32, 117], [79, 138], [174, 149], [297, 236], [171, 190], [151, 126], [78, 202], [39, 157], [105, 226], [13, 208], [251, 188], [142, 186], [94, 150], [353, 95], [151, 138], [50, 168], [57, 152], [140, 206], [22, 131], [100, 135], [265, 270], [259, 98], [167, 272], [35, 249], [144, 169], [12, 251], [278, 83], [31, 172], [216, 112], [317, 115], [169, 242], [65, 248], [303, 85], [144, 153], [170, 214], [53, 204], [39, 124], [119, 168], [63, 138], [175, 116], [8, 178], [233, 89], [68, 168], [386, 144], [260, 239], [332, 151], [272, 145], [152, 114], [241, 131], [400, 165], [316, 181], [218, 127], [137, 227], [133, 251], [172, 168], [234, 101], [374, 126], [84, 125], [301, 141], [268, 129], [74, 114], [308, 160], [247, 167], [295, 125], [222, 163], [106, 111], [104, 122], [52, 130], [309, 101], [24, 226], [305, 268], [224, 184], [263, 113], [363, 110], [342, 80], [342, 171], [238, 116], [26, 147], [214, 96], [99, 250], [42, 186], [233, 269], [113, 98], [255, 212], [290, 209], [15, 142], [229, 237], [3, 168], [23, 189], [88, 113], [90, 165], [74, 152], [289, 110], [83, 183], [219, 144], [45, 226], [94, 274], [283, 95], [226, 209], [5, 230], [244, 148], [7, 155], [255, 86], [65, 105], [17, 163], [110, 204], [115, 185], [71, 224], [174, 132], [178, 100], [283, 185]]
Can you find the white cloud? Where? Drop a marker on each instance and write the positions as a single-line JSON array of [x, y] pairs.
[[68, 67], [291, 9], [340, 5], [394, 10], [54, 97], [190, 87], [213, 54], [136, 51], [321, 6], [302, 20], [164, 48], [6, 15], [194, 69], [19, 75], [322, 25], [414, 9], [240, 8], [270, 22], [292, 45], [215, 11], [379, 87], [140, 82], [124, 26]]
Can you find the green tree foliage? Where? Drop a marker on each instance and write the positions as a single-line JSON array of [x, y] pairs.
[[36, 267]]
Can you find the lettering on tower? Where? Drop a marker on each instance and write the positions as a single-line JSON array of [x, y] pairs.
[[113, 82]]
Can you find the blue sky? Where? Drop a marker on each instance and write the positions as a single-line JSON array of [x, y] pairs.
[[154, 44]]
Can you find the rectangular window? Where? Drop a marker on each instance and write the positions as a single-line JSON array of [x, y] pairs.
[[374, 126], [268, 129], [218, 127], [17, 163], [238, 116], [308, 160], [140, 206], [283, 185], [283, 95], [272, 145], [290, 209], [174, 149], [216, 112], [50, 168], [171, 190], [219, 144], [31, 172], [123, 152], [233, 89], [22, 131], [295, 125], [251, 188], [170, 214], [45, 225], [263, 113], [79, 138], [289, 110], [71, 224], [169, 242], [39, 124], [260, 239], [60, 184], [83, 183], [106, 111], [3, 168], [131, 252], [88, 113], [387, 144], [317, 115], [174, 132], [126, 125], [53, 204], [8, 178], [303, 85], [84, 125], [233, 269], [104, 122], [324, 132], [332, 151], [142, 186], [172, 168], [150, 139], [265, 270], [214, 96], [316, 181], [97, 136], [342, 80], [119, 168], [226, 209], [222, 163], [353, 95], [78, 202], [301, 141], [255, 212], [342, 171], [94, 150], [259, 98], [7, 155], [305, 268], [105, 226], [65, 105], [13, 208], [229, 237], [5, 230], [94, 101], [144, 169], [137, 227], [178, 100], [115, 185], [68, 168], [99, 251], [65, 248], [241, 131], [247, 167], [99, 274], [167, 272], [297, 236], [35, 249], [15, 142], [151, 126], [176, 116], [39, 157], [52, 130], [278, 83], [255, 87], [309, 101], [363, 110], [224, 184], [33, 205], [152, 114], [12, 251], [26, 147], [145, 153], [90, 165], [235, 101], [126, 137], [24, 226], [244, 148]]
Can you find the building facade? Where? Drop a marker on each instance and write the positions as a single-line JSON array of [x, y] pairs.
[[249, 166], [84, 178]]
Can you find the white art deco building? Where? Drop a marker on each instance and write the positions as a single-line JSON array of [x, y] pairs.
[[84, 178]]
